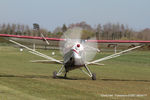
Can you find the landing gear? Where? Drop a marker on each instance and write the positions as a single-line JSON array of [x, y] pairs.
[[54, 74], [65, 76], [93, 76], [88, 72]]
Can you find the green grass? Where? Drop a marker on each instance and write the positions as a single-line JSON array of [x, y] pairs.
[[22, 80]]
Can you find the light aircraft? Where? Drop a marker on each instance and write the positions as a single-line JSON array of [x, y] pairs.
[[77, 53]]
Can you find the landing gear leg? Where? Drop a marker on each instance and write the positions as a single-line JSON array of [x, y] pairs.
[[65, 76], [55, 74], [92, 75]]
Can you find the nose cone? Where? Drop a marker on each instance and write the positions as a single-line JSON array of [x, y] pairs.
[[76, 50], [78, 45]]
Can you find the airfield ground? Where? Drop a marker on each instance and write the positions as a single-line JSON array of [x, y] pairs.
[[123, 78]]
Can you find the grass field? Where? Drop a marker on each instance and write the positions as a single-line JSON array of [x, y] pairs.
[[128, 75]]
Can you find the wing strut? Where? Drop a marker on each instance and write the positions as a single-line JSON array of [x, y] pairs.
[[113, 55], [36, 52]]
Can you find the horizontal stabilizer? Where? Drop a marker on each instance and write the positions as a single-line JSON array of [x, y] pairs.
[[44, 61], [97, 64]]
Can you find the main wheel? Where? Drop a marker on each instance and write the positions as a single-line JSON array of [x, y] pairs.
[[93, 76], [54, 74]]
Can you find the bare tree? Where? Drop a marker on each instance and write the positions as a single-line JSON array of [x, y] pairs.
[[64, 28], [58, 30], [99, 31]]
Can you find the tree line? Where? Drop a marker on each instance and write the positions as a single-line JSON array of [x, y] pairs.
[[109, 31]]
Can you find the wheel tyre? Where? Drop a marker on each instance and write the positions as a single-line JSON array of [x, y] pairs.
[[93, 76], [54, 74]]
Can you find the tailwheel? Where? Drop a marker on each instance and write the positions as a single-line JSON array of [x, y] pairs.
[[54, 74], [93, 76]]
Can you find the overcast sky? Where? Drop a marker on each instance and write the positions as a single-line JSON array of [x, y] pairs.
[[52, 13]]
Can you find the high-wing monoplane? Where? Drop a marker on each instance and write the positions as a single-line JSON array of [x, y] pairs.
[[77, 53]]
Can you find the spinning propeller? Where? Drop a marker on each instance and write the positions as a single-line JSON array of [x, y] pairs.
[[73, 39]]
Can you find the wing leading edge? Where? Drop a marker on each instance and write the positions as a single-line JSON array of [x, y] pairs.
[[59, 39], [31, 37], [118, 41]]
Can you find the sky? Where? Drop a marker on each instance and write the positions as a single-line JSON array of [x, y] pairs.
[[52, 13]]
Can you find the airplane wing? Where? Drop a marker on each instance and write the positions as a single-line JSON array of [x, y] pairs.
[[113, 55], [60, 39], [118, 41], [37, 53], [32, 37]]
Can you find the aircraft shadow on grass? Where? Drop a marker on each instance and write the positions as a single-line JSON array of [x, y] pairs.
[[61, 77], [33, 76], [125, 80]]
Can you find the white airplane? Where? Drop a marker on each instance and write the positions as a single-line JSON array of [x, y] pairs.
[[73, 59], [76, 54]]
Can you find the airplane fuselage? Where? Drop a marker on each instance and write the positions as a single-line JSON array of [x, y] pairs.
[[73, 57]]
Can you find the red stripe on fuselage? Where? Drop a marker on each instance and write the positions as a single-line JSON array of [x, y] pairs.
[[75, 51]]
